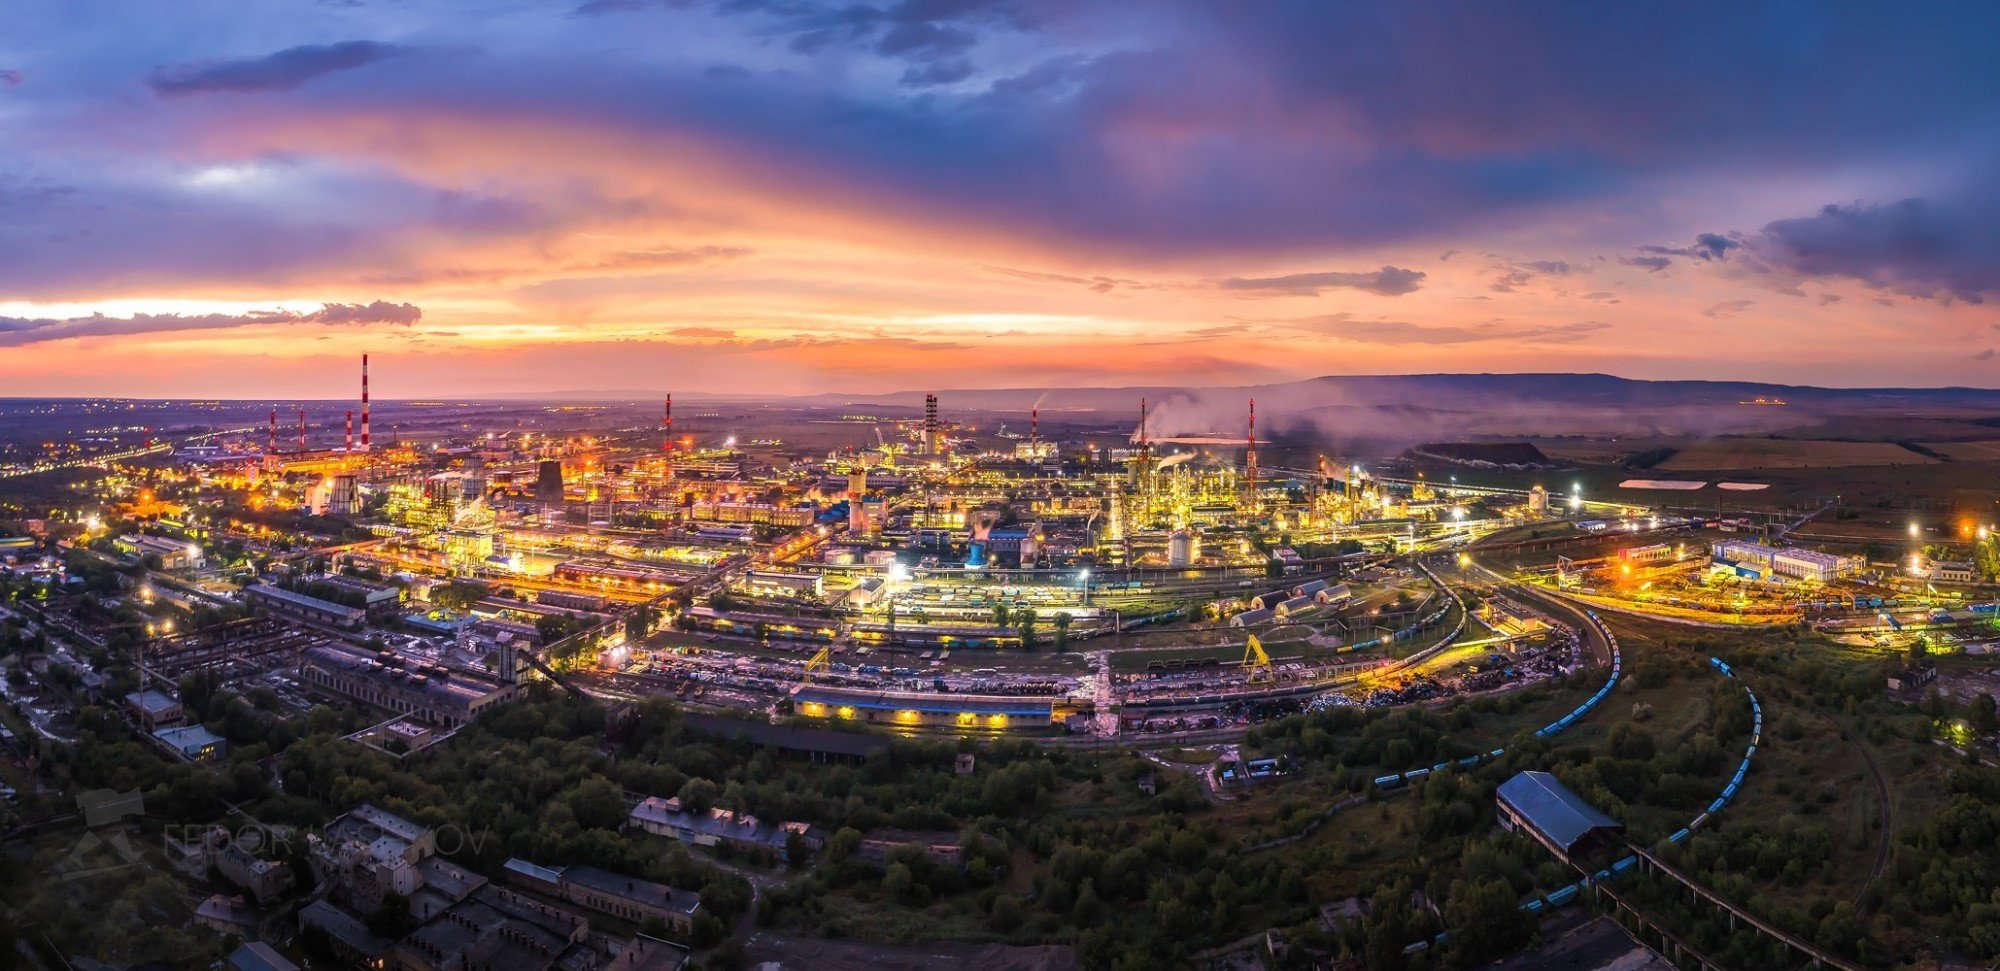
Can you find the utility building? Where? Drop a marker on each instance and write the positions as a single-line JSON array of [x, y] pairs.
[[1538, 804]]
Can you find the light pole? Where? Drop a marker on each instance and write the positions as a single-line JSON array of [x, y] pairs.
[[1083, 578]]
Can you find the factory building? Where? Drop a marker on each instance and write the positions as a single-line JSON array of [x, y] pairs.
[[925, 710], [1786, 561], [388, 681], [277, 600], [762, 513], [771, 582], [1953, 571], [620, 896], [380, 601], [1538, 804], [665, 817], [174, 554], [1656, 553]]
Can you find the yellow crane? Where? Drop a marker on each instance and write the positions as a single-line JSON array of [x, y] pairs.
[[1255, 660], [821, 660]]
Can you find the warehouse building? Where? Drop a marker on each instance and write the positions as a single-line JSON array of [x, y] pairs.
[[389, 681], [1539, 805], [920, 709]]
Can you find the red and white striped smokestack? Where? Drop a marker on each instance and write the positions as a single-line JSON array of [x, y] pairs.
[[271, 447], [1034, 424], [667, 422], [364, 402], [1142, 422], [350, 429], [302, 429]]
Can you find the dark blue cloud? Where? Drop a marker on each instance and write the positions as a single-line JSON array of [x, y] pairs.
[[1915, 247], [282, 71]]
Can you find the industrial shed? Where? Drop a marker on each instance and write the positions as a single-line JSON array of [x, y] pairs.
[[1538, 804]]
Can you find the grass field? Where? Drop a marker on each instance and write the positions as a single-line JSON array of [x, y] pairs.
[[1734, 454], [1980, 451]]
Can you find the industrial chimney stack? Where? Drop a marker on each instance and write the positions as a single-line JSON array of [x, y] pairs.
[[1250, 457], [364, 402], [667, 422], [350, 430]]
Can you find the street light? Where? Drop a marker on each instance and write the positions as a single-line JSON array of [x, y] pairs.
[[1083, 577]]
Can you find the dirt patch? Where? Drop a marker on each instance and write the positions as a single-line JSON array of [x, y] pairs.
[[1728, 454]]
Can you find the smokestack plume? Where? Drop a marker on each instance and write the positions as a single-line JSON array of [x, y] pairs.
[[364, 402]]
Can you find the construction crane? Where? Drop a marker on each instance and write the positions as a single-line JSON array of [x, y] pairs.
[[822, 660], [1255, 660]]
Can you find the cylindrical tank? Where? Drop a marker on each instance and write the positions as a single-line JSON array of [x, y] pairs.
[[976, 557], [1183, 548]]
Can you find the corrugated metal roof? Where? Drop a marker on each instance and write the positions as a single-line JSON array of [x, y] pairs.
[[1551, 808]]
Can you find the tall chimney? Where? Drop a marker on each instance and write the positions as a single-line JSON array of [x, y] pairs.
[[667, 422], [350, 429], [302, 429], [1250, 455], [271, 447], [1034, 426], [364, 402]]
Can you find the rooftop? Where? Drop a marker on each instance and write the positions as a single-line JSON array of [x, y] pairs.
[[1553, 810]]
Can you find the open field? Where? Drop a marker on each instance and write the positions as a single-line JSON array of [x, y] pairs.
[[1732, 454], [1979, 451]]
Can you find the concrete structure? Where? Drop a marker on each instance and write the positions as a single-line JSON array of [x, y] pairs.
[[193, 743], [174, 554], [988, 712], [345, 935], [155, 710], [368, 852], [665, 817], [380, 601], [263, 879], [277, 600], [1787, 561], [1954, 571], [497, 928], [258, 956], [627, 898], [393, 683], [226, 915]]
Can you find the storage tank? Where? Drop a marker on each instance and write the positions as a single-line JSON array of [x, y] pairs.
[[1183, 548], [1538, 501]]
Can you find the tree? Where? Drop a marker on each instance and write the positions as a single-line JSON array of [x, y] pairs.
[[1982, 715], [1485, 920], [698, 795], [1025, 618], [1062, 621]]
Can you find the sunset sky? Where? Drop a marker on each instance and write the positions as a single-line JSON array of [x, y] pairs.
[[206, 199]]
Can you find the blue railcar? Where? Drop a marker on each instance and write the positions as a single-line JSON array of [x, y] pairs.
[[1716, 806], [1469, 760], [1496, 753], [1683, 834], [1561, 897], [1534, 906], [1625, 864], [1416, 775], [1388, 781]]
